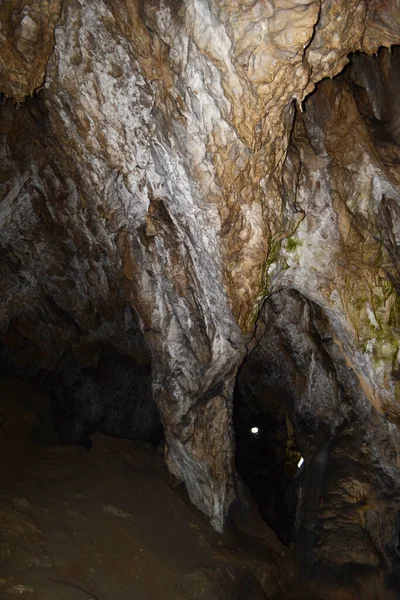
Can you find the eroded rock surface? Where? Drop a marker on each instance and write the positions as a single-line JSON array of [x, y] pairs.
[[26, 42], [163, 182], [348, 487]]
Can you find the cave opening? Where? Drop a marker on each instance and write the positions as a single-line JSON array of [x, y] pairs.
[[94, 386], [311, 417], [283, 389], [268, 458], [294, 401]]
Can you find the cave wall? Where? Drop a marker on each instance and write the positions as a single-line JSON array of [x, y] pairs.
[[158, 187], [63, 309], [346, 153], [345, 529]]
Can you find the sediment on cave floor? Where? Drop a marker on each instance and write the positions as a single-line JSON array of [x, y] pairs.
[[106, 523]]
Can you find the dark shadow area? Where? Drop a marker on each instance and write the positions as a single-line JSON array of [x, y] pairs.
[[64, 320], [296, 389], [267, 456], [113, 397]]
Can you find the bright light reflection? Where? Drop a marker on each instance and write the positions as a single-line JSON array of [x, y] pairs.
[[300, 462], [254, 430]]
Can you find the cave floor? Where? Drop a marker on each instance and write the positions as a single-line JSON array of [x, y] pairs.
[[107, 523]]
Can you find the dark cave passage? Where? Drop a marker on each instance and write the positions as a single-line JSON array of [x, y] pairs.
[[267, 456], [272, 385], [114, 398], [297, 391], [94, 388]]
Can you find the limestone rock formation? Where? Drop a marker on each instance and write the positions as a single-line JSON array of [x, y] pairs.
[[347, 490], [174, 163]]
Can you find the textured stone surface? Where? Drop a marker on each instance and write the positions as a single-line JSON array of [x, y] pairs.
[[26, 42], [344, 254], [164, 182], [348, 488], [63, 307]]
